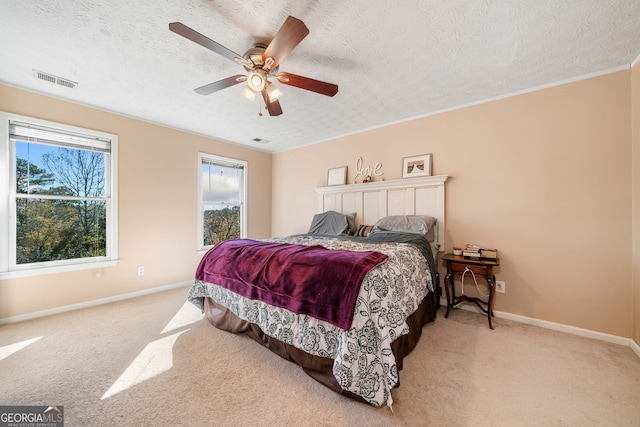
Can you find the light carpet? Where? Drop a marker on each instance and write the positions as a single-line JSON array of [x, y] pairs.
[[154, 361]]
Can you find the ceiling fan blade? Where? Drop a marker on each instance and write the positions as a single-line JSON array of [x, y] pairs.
[[202, 40], [221, 84], [273, 107], [323, 88], [292, 32]]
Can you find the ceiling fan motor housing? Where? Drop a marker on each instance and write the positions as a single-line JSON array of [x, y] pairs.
[[254, 56]]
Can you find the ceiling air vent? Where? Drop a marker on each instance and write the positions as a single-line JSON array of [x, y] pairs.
[[54, 79], [260, 140]]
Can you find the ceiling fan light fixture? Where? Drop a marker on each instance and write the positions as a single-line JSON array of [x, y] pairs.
[[249, 94], [273, 92], [257, 80]]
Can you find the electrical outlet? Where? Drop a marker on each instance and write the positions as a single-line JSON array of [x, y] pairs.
[[141, 271], [500, 286]]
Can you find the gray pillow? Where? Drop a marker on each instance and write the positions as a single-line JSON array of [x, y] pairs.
[[351, 220], [332, 223], [408, 223]]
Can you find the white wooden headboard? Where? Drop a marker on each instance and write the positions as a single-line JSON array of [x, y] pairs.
[[375, 200]]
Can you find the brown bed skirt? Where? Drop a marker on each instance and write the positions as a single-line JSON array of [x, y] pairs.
[[317, 367]]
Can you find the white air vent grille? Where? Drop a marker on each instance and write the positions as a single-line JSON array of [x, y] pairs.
[[54, 79], [260, 140]]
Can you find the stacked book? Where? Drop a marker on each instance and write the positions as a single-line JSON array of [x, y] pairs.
[[475, 251]]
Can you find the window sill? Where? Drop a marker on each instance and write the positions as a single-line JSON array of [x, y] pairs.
[[39, 271]]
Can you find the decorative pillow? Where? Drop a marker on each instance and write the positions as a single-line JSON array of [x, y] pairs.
[[364, 230], [332, 223], [408, 223]]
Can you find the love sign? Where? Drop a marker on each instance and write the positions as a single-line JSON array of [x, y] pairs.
[[367, 172]]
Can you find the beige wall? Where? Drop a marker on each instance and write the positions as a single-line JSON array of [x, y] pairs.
[[545, 177], [158, 170], [635, 111]]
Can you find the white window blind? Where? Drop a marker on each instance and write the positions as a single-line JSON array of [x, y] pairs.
[[43, 135]]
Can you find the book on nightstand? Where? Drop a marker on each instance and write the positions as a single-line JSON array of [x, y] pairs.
[[489, 253], [471, 253], [475, 251]]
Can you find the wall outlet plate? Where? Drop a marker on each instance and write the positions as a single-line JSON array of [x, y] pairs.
[[500, 286]]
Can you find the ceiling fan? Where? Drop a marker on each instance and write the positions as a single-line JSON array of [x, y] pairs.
[[261, 63]]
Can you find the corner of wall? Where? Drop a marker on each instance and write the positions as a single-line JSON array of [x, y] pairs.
[[635, 194]]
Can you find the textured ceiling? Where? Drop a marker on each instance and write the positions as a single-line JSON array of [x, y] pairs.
[[391, 62]]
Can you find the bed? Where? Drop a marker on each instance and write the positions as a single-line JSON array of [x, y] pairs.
[[348, 331]]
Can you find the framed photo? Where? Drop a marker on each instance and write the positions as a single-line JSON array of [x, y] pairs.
[[415, 166], [337, 176]]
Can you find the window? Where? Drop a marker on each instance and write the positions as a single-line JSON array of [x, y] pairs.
[[58, 207], [222, 194]]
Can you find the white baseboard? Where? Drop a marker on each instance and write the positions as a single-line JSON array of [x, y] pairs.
[[628, 342], [92, 303], [635, 347]]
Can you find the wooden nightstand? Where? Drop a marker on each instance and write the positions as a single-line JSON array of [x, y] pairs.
[[481, 267]]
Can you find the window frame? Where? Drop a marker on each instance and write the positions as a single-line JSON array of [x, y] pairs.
[[8, 267], [201, 247]]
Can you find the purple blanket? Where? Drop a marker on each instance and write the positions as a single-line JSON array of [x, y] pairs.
[[309, 280]]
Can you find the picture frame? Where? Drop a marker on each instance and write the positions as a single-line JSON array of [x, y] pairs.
[[337, 176], [415, 166]]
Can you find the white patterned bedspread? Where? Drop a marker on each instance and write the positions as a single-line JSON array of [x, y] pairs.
[[363, 361]]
